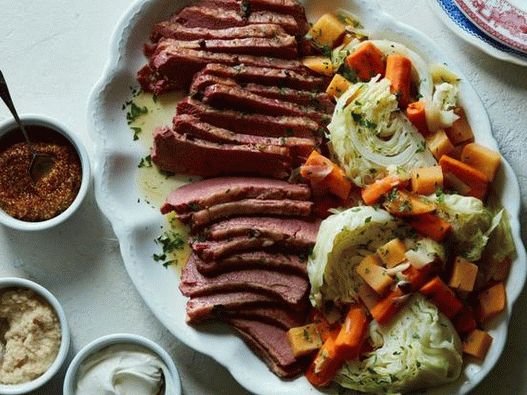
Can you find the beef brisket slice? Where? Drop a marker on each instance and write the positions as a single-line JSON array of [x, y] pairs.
[[232, 97], [289, 288], [179, 154], [271, 344], [245, 73], [254, 124], [286, 207], [218, 18], [176, 31], [282, 46], [206, 193], [188, 124], [255, 259]]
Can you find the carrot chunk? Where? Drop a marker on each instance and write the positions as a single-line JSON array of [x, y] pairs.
[[426, 180], [475, 180], [439, 144], [323, 173], [367, 61], [491, 302], [374, 274], [460, 131], [392, 253], [384, 311], [477, 343], [325, 364], [405, 204], [430, 225], [399, 72], [327, 31], [372, 193], [351, 335], [463, 275], [319, 64], [442, 296], [415, 112], [338, 86], [485, 160], [416, 277]]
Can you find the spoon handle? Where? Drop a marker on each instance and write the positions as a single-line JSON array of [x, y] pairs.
[[6, 97]]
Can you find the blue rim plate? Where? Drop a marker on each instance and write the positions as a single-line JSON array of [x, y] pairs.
[[451, 15]]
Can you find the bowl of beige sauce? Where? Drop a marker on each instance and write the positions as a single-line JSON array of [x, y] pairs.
[[34, 336]]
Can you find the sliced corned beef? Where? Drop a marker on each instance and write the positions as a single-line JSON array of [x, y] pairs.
[[176, 31], [281, 316], [244, 73], [202, 307], [233, 97], [275, 228], [215, 250], [254, 124], [180, 154], [271, 344], [290, 208], [218, 18], [282, 46], [202, 194], [255, 259], [289, 288], [300, 147]]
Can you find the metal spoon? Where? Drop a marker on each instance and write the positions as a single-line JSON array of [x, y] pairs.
[[41, 163]]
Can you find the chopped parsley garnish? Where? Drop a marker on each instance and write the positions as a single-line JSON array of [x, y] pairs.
[[135, 112], [169, 242], [440, 194], [245, 8], [367, 220], [422, 147], [348, 73], [145, 162], [136, 131]]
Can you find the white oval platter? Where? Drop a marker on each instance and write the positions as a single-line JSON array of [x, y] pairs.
[[137, 224]]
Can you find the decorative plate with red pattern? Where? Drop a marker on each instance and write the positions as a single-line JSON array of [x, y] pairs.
[[503, 20]]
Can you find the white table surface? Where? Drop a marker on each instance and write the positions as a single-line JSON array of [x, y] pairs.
[[53, 51]]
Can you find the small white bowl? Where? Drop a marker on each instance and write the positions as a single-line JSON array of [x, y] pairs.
[[24, 388], [172, 383], [41, 120]]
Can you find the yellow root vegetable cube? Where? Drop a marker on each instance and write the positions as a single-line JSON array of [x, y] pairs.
[[304, 339], [374, 275], [327, 31], [426, 180], [439, 144], [482, 158], [338, 86], [392, 253], [460, 132], [369, 297], [477, 343], [491, 302], [464, 275], [319, 64]]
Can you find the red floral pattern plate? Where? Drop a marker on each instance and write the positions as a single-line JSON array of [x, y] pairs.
[[505, 21]]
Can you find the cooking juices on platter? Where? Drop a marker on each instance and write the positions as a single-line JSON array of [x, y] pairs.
[[366, 127], [30, 336], [51, 194]]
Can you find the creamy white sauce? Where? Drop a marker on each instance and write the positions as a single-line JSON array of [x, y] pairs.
[[122, 370]]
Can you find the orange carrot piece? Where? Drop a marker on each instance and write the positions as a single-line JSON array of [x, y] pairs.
[[477, 343], [367, 61], [336, 181], [399, 72], [442, 296], [406, 204], [465, 321], [430, 225], [415, 112], [325, 365], [475, 180], [492, 301], [351, 336], [417, 277], [373, 192], [388, 307]]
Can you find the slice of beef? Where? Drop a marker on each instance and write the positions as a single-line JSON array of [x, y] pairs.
[[206, 193], [219, 18], [289, 288], [281, 316], [275, 228], [244, 73], [290, 208], [202, 81], [200, 308], [232, 97], [289, 7], [271, 344], [172, 68], [255, 259], [281, 46], [300, 147], [176, 31], [318, 100], [215, 250], [254, 124], [180, 154]]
